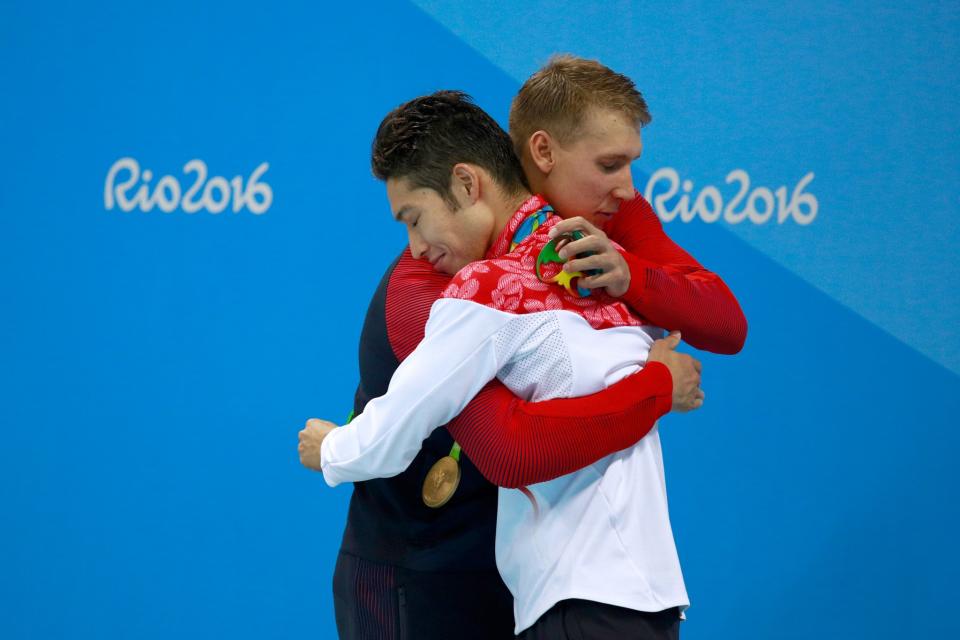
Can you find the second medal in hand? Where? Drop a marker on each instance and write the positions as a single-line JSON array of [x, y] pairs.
[[443, 479]]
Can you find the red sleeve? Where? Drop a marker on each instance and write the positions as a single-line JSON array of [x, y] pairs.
[[671, 289], [514, 442]]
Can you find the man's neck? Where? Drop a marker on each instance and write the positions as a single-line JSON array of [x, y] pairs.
[[535, 177], [505, 207]]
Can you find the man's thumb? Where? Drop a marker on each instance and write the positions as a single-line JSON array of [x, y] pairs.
[[673, 340]]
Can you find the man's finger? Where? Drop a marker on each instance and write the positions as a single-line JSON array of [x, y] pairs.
[[572, 224], [594, 282], [697, 365], [673, 340], [594, 244], [587, 264]]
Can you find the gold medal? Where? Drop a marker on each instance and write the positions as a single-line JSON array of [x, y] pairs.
[[441, 482]]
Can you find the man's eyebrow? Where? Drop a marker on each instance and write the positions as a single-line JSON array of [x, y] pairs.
[[624, 157]]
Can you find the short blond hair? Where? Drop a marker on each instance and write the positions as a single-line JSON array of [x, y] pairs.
[[558, 96]]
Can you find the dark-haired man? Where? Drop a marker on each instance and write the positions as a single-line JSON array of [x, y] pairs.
[[448, 250]]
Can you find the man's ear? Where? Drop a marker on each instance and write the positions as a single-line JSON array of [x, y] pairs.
[[466, 183], [542, 148]]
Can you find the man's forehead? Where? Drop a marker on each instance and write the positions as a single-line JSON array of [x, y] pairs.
[[399, 194], [404, 187], [397, 186], [603, 125], [406, 199]]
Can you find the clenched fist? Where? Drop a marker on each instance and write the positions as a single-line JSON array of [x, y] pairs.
[[311, 437], [687, 394]]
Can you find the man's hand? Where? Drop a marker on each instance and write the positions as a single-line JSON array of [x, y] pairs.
[[687, 394], [616, 273], [311, 437]]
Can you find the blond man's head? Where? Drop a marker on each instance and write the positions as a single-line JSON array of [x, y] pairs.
[[575, 125], [558, 97]]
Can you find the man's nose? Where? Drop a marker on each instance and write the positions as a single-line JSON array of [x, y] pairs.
[[417, 246], [624, 188]]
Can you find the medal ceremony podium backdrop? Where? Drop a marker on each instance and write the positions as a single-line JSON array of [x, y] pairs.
[[190, 236]]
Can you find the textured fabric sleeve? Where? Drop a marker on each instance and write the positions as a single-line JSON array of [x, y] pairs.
[[454, 361], [515, 443], [671, 289]]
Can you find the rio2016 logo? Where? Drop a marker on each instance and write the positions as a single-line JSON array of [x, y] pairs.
[[758, 207], [213, 195]]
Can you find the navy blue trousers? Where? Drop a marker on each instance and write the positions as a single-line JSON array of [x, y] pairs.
[[586, 620], [383, 602]]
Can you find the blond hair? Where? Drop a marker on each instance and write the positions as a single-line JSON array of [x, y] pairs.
[[558, 96]]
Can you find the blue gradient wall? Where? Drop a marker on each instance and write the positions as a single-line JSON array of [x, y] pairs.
[[156, 365]]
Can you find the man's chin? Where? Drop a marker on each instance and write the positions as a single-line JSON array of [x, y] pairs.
[[447, 266]]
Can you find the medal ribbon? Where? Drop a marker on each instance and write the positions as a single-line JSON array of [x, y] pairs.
[[530, 224]]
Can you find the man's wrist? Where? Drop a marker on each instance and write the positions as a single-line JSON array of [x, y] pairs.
[[637, 293], [327, 457], [661, 382]]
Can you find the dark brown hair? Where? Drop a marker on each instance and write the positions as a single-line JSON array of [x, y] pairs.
[[421, 140]]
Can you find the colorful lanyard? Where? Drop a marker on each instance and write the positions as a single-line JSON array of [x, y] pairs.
[[530, 224]]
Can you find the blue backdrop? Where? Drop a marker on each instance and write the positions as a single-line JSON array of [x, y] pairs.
[[190, 235]]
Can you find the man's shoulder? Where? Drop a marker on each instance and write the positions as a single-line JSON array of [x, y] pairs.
[[640, 206], [502, 283], [414, 282], [407, 269], [412, 288], [473, 282], [635, 216]]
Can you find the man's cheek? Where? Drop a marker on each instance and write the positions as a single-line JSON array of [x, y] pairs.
[[599, 220]]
